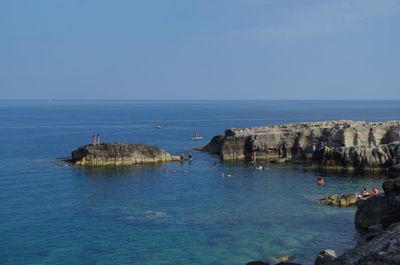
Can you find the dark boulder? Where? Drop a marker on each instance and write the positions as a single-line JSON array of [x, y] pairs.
[[384, 209]]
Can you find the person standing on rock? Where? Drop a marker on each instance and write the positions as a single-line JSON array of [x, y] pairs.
[[98, 139], [365, 193], [94, 139]]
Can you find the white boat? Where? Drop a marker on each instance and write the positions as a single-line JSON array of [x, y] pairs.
[[196, 136]]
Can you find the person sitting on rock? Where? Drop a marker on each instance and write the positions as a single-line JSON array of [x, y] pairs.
[[365, 193], [374, 191]]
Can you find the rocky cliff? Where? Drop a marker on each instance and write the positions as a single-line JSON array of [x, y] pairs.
[[336, 144], [116, 154]]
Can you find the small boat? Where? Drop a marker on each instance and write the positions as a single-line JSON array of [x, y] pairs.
[[258, 168], [158, 126], [196, 136]]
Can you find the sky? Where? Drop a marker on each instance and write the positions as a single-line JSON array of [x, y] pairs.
[[200, 49]]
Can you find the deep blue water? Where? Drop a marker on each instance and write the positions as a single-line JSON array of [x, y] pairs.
[[54, 214]]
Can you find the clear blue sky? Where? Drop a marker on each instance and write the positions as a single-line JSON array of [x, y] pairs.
[[199, 49]]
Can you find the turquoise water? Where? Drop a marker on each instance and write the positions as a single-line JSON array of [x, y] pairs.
[[51, 213]]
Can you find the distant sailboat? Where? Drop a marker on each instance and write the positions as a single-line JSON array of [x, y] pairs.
[[196, 136]]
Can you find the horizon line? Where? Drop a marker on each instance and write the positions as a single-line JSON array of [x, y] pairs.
[[61, 99]]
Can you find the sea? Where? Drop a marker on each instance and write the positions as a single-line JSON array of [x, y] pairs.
[[54, 213]]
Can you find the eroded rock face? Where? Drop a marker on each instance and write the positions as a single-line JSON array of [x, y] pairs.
[[342, 144], [116, 154], [360, 157]]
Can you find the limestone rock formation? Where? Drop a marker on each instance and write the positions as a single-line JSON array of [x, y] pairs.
[[342, 200], [116, 154], [338, 144]]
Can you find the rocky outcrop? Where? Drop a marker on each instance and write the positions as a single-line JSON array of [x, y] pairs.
[[383, 249], [383, 210], [116, 154], [342, 200], [335, 144], [380, 217], [325, 257]]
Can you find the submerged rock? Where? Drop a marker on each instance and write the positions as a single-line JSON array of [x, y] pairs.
[[116, 154], [342, 200], [285, 258], [333, 144], [258, 262]]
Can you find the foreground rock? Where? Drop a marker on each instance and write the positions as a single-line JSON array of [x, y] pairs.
[[343, 200], [380, 217], [325, 257], [334, 144], [383, 249], [116, 154], [383, 210]]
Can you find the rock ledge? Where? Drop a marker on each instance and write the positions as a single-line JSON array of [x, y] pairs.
[[117, 154], [332, 144]]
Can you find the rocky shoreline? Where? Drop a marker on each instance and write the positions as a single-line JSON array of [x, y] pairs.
[[333, 144], [378, 218], [117, 154], [342, 144]]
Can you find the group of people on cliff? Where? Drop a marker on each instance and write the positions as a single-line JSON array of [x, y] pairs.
[[323, 144], [96, 139]]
